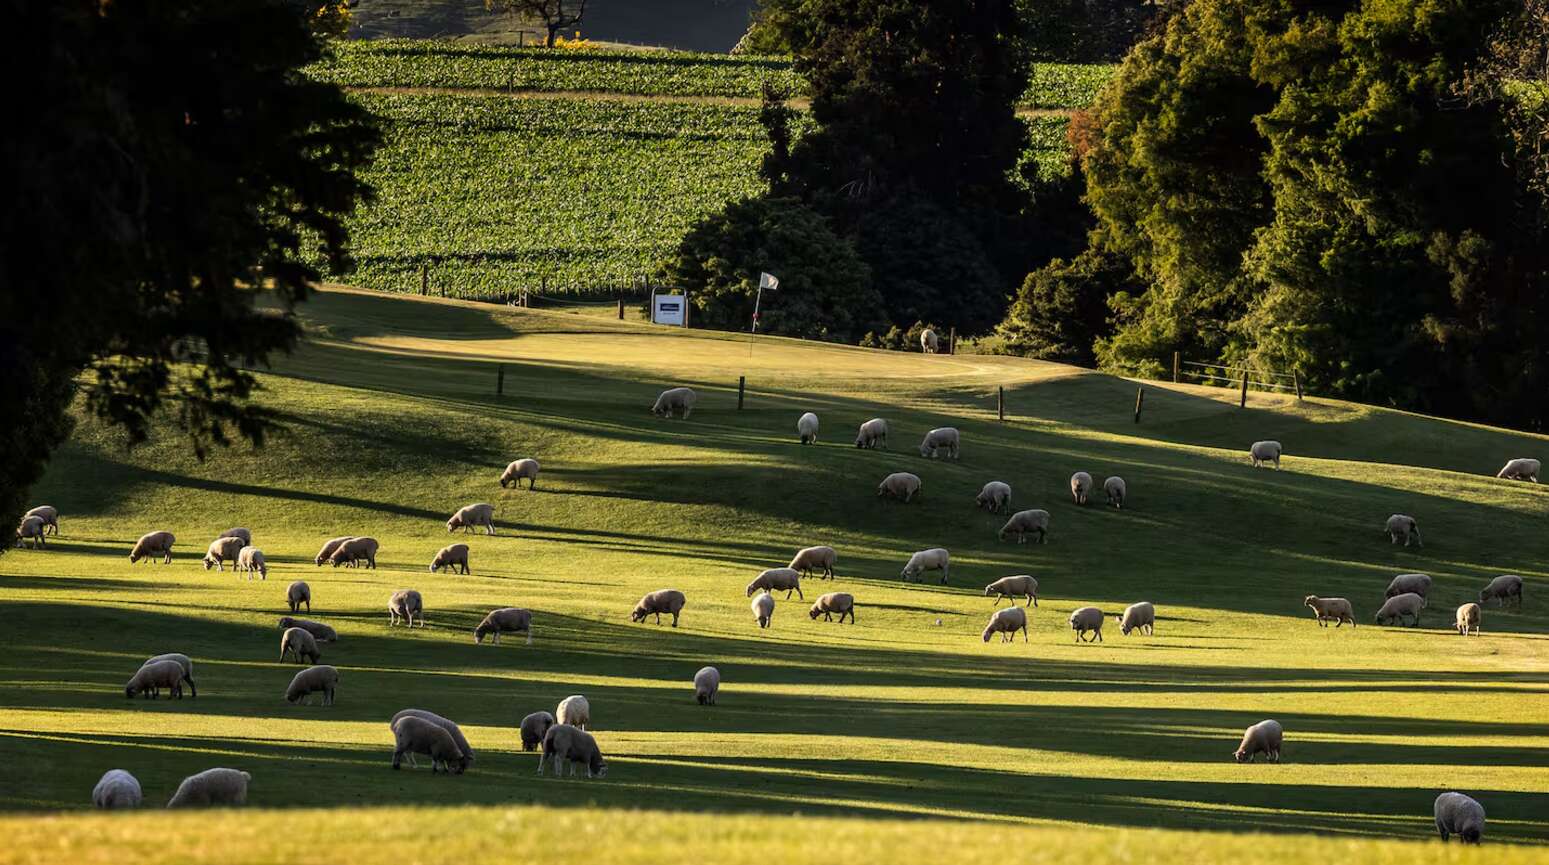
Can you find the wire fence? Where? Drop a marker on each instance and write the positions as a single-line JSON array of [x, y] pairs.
[[1244, 376]]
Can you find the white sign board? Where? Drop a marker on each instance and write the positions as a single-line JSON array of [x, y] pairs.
[[668, 309]]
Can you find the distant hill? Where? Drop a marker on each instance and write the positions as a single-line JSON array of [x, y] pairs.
[[695, 25]]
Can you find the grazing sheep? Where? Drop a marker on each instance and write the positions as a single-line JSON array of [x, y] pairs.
[[453, 557], [929, 342], [312, 680], [211, 787], [301, 645], [1080, 487], [533, 728], [707, 684], [518, 469], [298, 593], [1006, 623], [321, 632], [1403, 527], [221, 551], [182, 661], [1337, 609], [251, 561], [116, 790], [807, 428], [575, 711], [1114, 491], [933, 559], [942, 439], [1265, 452], [151, 545], [994, 497], [668, 601], [1460, 815], [1011, 588], [155, 675], [1035, 520], [48, 514], [679, 399], [354, 550], [899, 485], [1521, 469], [470, 517], [239, 532], [810, 558], [414, 735], [1141, 616], [1265, 738], [1501, 588], [326, 552], [446, 724], [31, 527], [502, 620], [872, 433], [406, 604], [842, 603], [566, 745], [785, 580], [1468, 618], [1404, 584], [1399, 606], [763, 608], [1087, 619]]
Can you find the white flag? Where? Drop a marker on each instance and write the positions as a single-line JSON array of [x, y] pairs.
[[768, 281]]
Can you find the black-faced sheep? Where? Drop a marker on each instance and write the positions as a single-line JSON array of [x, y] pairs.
[[1012, 588], [669, 601]]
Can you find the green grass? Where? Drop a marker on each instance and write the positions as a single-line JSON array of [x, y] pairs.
[[394, 424]]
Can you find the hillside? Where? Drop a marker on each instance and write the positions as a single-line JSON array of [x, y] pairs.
[[694, 25]]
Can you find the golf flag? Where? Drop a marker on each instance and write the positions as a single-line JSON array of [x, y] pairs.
[[768, 281]]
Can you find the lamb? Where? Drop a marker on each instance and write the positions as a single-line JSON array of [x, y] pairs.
[[1114, 491], [566, 745], [518, 469], [1501, 588], [807, 428], [212, 787], [707, 684], [321, 632], [1087, 619], [661, 601], [534, 728], [446, 724], [414, 735], [575, 711], [151, 545], [326, 552], [48, 514], [405, 604], [929, 342], [299, 644], [1460, 815], [1265, 452], [785, 580], [1403, 527], [899, 485], [1265, 738], [154, 676], [810, 558], [453, 557], [1009, 588], [994, 497], [1468, 618], [182, 661], [872, 433], [1006, 623], [312, 680], [505, 619], [1418, 584], [353, 550], [933, 559], [680, 399], [221, 551], [1139, 616], [239, 532], [842, 603], [1023, 523], [1080, 487], [117, 789], [763, 608], [942, 439], [31, 527], [251, 561], [1337, 609], [469, 517], [1520, 469], [298, 593], [1399, 606]]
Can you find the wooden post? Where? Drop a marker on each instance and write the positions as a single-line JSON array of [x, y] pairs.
[[1177, 362], [1000, 402], [952, 341], [424, 278], [500, 379], [686, 307], [1140, 401], [742, 383], [621, 309], [1296, 380], [1244, 402]]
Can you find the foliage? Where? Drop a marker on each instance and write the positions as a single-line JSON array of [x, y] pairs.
[[1063, 308], [765, 33], [1065, 85], [929, 265], [1084, 31], [1512, 76], [554, 15]]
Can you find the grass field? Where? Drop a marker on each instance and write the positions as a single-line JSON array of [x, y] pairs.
[[883, 728]]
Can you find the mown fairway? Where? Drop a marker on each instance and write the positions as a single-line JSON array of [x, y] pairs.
[[393, 424]]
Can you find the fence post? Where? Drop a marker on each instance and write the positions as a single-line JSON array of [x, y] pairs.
[[1177, 362], [621, 309], [1140, 401], [1244, 402], [686, 307], [952, 341], [1297, 381], [500, 379], [424, 278], [1000, 402], [742, 383]]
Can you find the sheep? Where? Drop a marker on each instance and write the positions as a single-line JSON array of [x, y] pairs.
[[299, 644], [575, 711], [1457, 814], [48, 514], [329, 546], [505, 619], [566, 745], [872, 433], [1265, 738], [221, 551], [680, 399], [1501, 588], [151, 545], [31, 527], [662, 601], [1338, 609], [154, 676], [1418, 584], [763, 608], [1114, 491], [1403, 527], [994, 497], [212, 787], [533, 729], [899, 485], [1024, 522], [842, 603], [298, 593], [453, 557], [707, 685], [321, 632], [406, 604], [414, 735], [929, 342], [1520, 469], [182, 661], [446, 724], [311, 680], [1468, 618], [1006, 623], [469, 517], [1265, 452], [1080, 487], [518, 469], [944, 438], [1009, 588], [933, 559], [353, 550], [251, 561], [809, 558], [116, 790], [807, 428], [1138, 616], [1087, 619], [1399, 606], [786, 580]]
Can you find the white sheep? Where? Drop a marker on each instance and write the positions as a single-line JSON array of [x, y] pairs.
[[329, 546], [414, 735], [679, 399], [469, 517], [301, 645], [48, 514], [1087, 619], [575, 711], [872, 433], [842, 603], [929, 342], [1520, 469], [899, 485], [785, 580], [941, 439], [1114, 491], [453, 557], [809, 559], [1141, 616], [933, 559], [707, 685], [994, 497], [1014, 587], [1023, 523], [321, 678], [518, 469], [1501, 588], [1338, 610], [116, 790], [33, 528], [1400, 606], [155, 675], [502, 620], [446, 724], [221, 551], [763, 609], [668, 601], [1403, 527], [1404, 584], [1080, 487], [1266, 737], [151, 545], [321, 632], [1265, 452], [212, 787], [807, 428], [354, 550], [298, 593], [533, 729], [406, 604], [245, 534], [183, 661], [1468, 618], [1006, 623], [566, 745], [251, 561], [1460, 815]]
